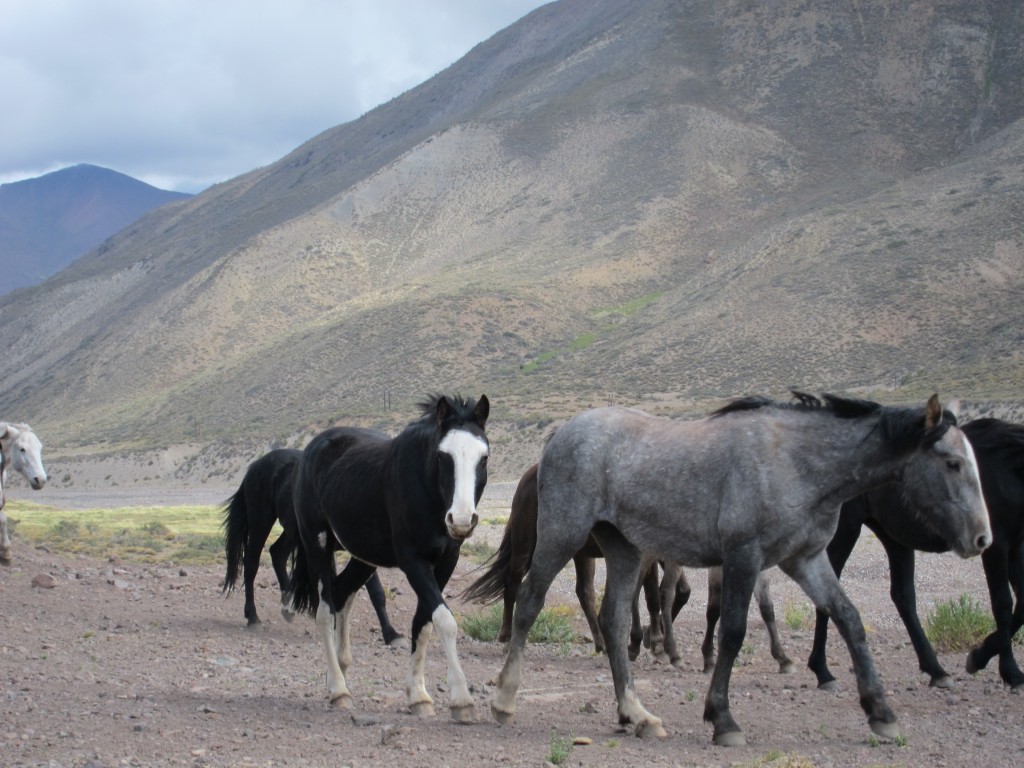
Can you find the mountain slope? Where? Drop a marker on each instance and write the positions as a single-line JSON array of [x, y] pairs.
[[662, 203], [47, 222]]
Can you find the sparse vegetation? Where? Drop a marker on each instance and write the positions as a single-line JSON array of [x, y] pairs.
[[798, 616], [182, 534], [553, 625], [561, 748], [960, 624]]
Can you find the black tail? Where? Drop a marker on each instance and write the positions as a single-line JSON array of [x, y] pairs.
[[490, 587], [302, 592], [236, 533]]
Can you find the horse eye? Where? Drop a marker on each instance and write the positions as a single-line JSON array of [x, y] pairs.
[[953, 464]]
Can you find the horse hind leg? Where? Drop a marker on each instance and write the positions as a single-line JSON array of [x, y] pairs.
[[585, 569], [623, 564], [713, 614], [653, 636], [767, 608], [675, 593], [391, 636]]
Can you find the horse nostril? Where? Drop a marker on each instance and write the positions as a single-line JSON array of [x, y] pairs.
[[982, 542]]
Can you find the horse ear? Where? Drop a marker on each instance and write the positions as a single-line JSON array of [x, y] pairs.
[[444, 410], [482, 410], [932, 412]]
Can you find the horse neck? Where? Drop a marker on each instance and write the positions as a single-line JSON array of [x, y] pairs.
[[852, 455]]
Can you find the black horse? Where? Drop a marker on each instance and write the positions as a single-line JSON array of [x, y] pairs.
[[265, 496], [407, 502], [999, 450]]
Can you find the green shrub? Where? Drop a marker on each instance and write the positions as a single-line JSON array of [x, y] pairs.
[[553, 625], [958, 625]]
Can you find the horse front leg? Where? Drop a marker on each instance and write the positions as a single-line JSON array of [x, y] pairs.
[[904, 597], [764, 602], [819, 581], [623, 565], [739, 574], [433, 612], [997, 562], [548, 560]]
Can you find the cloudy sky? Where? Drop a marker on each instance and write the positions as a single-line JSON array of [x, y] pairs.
[[186, 93]]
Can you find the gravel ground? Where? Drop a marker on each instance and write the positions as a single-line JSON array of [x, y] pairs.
[[127, 664]]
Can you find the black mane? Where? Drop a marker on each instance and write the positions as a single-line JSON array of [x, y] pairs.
[[996, 436], [902, 428]]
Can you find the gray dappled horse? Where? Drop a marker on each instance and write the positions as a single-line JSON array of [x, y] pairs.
[[756, 484], [22, 451]]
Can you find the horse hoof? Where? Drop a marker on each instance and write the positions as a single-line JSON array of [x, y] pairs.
[[400, 643], [463, 714], [941, 681], [971, 666], [651, 730], [884, 730], [422, 709], [344, 701], [502, 717], [708, 669], [5, 558], [677, 663], [786, 668], [730, 739], [252, 622], [832, 686]]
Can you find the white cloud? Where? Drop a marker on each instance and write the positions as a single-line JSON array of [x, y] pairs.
[[185, 93]]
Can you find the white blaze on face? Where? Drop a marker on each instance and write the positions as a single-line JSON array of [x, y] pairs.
[[467, 451], [975, 474]]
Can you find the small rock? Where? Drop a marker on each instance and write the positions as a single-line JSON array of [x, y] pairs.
[[358, 719], [44, 581]]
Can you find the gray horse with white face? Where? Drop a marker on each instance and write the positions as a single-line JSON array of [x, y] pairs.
[[756, 484], [22, 452]]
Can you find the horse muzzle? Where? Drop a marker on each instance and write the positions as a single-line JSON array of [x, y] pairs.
[[463, 531]]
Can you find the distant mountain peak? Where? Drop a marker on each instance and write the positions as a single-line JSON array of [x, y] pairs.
[[48, 221]]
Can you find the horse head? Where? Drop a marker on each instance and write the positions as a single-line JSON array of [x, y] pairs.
[[462, 460], [23, 452], [942, 484]]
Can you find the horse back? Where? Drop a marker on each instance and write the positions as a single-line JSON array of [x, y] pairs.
[[341, 485]]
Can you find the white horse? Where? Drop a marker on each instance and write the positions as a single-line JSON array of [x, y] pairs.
[[23, 451]]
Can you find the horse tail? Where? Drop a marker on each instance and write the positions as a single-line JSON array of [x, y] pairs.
[[302, 594], [236, 532], [504, 568], [490, 587]]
